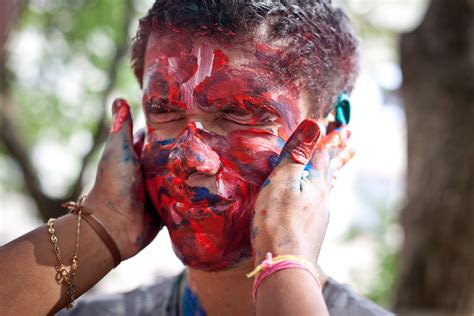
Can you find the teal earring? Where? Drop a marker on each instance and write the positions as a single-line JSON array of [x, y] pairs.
[[343, 109]]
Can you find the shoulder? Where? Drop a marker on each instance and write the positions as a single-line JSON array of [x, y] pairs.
[[155, 299], [341, 300]]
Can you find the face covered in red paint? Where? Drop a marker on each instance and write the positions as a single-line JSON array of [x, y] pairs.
[[217, 118]]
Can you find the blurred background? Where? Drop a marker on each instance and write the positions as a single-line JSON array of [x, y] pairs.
[[402, 211]]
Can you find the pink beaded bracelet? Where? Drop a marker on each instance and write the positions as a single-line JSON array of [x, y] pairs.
[[271, 265]]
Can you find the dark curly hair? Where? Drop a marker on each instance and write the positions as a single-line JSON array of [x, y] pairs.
[[318, 42]]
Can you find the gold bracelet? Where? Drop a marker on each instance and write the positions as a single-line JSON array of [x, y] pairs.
[[99, 228], [66, 274]]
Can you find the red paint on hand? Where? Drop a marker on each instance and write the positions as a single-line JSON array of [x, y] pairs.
[[335, 139], [121, 112], [301, 144]]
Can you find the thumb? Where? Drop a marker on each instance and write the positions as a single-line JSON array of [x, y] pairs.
[[120, 136], [121, 117], [300, 146], [297, 151]]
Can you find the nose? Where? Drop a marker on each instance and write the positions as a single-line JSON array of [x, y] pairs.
[[192, 155]]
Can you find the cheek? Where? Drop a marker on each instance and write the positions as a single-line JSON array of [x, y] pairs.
[[251, 155], [154, 157], [154, 160]]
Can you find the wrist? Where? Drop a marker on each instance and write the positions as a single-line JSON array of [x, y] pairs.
[[289, 244], [113, 223]]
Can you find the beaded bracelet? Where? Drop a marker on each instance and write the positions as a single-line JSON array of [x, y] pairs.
[[271, 265]]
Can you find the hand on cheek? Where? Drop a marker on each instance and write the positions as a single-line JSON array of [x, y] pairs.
[[117, 197], [291, 212]]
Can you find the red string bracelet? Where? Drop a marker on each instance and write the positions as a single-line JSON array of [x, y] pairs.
[[271, 265]]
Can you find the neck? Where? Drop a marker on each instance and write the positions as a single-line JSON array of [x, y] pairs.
[[226, 292]]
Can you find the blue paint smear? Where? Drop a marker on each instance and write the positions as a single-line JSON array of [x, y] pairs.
[[266, 182], [157, 144], [161, 160], [127, 155], [308, 167], [272, 161], [163, 191], [280, 142], [284, 155], [202, 193], [166, 141]]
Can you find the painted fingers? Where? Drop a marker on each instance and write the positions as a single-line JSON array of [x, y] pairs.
[[298, 150], [121, 119], [301, 144], [306, 156], [331, 154], [290, 219]]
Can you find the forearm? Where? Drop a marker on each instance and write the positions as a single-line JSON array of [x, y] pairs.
[[28, 274], [290, 292]]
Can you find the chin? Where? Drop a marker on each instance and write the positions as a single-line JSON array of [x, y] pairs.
[[211, 238], [204, 262]]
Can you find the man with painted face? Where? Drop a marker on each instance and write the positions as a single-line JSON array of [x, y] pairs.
[[237, 160], [225, 85]]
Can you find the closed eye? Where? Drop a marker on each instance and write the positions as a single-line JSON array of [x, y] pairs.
[[160, 110], [240, 116]]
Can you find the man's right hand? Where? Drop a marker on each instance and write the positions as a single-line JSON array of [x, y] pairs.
[[118, 195]]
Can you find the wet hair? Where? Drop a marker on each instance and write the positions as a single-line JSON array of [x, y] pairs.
[[320, 49]]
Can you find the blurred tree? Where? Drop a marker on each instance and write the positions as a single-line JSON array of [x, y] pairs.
[[27, 111], [437, 268]]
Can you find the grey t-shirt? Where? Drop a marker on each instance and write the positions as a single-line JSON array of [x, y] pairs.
[[161, 299]]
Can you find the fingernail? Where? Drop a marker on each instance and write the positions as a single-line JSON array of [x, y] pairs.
[[121, 111], [306, 137]]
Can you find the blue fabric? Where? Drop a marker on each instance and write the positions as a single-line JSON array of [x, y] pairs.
[[190, 303]]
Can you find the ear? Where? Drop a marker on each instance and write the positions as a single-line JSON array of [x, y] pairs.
[[340, 114], [343, 109]]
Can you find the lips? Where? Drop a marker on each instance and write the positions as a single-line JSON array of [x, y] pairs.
[[196, 212], [223, 202]]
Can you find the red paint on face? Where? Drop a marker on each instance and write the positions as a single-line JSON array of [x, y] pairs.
[[220, 60], [203, 180]]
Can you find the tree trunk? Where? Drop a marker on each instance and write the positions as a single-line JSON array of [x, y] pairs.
[[437, 259]]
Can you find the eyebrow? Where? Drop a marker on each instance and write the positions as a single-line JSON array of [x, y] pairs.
[[232, 84], [227, 86]]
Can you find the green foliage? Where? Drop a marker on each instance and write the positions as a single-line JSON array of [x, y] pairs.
[[61, 89], [382, 289], [384, 235]]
